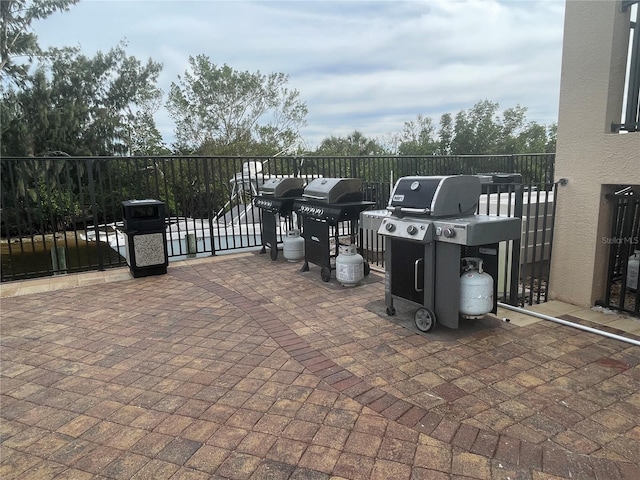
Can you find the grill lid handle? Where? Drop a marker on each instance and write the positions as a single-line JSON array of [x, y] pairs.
[[398, 211]]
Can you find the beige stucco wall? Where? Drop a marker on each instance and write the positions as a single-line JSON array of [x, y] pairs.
[[595, 45]]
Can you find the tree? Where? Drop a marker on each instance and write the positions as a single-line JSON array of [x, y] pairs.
[[476, 130], [218, 109], [552, 132], [80, 105], [445, 135], [482, 130], [16, 38], [418, 137], [355, 144]]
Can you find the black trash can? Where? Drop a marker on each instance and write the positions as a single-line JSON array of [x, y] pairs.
[[146, 237]]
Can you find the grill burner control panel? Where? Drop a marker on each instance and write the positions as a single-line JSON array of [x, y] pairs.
[[406, 228], [451, 232], [311, 210], [263, 203], [471, 230]]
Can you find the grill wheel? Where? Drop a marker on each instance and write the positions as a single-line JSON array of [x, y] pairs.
[[325, 274], [425, 319]]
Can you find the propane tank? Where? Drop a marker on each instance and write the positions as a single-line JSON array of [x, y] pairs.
[[632, 270], [476, 289], [349, 266], [293, 246]]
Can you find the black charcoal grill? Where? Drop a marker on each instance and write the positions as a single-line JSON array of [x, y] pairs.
[[275, 198], [325, 204], [430, 225]]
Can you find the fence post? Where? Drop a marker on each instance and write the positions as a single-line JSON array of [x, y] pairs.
[[192, 245], [210, 204], [518, 210], [59, 260], [94, 210]]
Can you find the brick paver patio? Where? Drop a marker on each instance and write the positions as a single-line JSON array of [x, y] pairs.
[[241, 368]]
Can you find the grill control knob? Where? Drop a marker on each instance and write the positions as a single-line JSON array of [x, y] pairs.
[[449, 232], [412, 230], [390, 227]]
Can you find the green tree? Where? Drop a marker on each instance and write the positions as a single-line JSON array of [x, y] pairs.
[[418, 137], [445, 135], [355, 144], [220, 110], [476, 131], [80, 105], [552, 132], [17, 40], [482, 130]]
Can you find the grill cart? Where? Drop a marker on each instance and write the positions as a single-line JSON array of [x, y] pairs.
[[275, 199], [440, 255], [325, 204]]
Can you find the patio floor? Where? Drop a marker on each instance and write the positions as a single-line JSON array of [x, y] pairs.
[[238, 367]]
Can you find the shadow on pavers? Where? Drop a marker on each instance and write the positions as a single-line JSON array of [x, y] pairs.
[[313, 273], [405, 318]]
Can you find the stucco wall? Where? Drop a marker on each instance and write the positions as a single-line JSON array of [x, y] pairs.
[[595, 46]]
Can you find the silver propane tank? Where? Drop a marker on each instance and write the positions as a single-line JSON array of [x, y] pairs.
[[476, 289], [293, 246], [349, 266]]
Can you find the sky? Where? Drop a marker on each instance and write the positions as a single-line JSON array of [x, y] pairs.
[[359, 65]]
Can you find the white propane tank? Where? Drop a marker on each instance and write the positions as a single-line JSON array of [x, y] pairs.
[[349, 266], [293, 246], [632, 270], [476, 289]]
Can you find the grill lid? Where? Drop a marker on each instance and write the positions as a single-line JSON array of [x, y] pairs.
[[334, 190], [282, 187], [438, 196]]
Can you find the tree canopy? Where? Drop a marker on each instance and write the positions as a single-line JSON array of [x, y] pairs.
[[355, 144], [83, 106], [217, 107], [17, 40], [481, 130]]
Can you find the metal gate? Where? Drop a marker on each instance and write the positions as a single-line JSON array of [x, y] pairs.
[[622, 275]]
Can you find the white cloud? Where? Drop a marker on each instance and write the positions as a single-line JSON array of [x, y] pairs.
[[366, 65]]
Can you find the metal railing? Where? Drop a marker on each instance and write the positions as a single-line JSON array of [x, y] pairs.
[[62, 214], [631, 113], [622, 276]]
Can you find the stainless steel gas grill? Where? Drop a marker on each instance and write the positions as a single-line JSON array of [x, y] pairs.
[[439, 254], [275, 198], [325, 203]]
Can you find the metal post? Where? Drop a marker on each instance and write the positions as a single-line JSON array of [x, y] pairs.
[[570, 324], [59, 260], [94, 209], [515, 246], [192, 246]]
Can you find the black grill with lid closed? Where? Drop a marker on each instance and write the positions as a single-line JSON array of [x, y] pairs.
[[325, 204], [275, 199]]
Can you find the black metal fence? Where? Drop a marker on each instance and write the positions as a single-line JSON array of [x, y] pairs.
[[624, 252], [62, 214]]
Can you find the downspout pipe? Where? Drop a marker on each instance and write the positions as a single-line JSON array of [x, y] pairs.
[[570, 324]]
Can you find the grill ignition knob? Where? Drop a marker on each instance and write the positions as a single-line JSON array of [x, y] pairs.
[[390, 227], [412, 230], [449, 232]]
